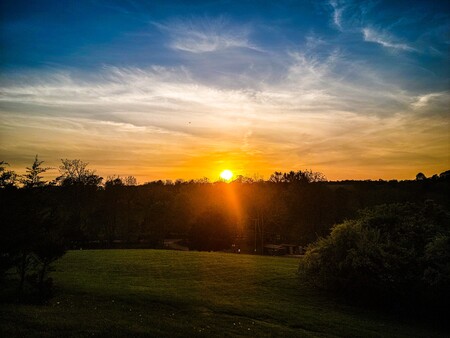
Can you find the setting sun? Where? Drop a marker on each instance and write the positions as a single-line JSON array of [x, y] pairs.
[[226, 175]]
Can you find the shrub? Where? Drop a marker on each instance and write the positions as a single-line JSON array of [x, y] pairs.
[[398, 252]]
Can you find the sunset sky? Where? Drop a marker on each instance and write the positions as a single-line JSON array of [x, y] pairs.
[[166, 90]]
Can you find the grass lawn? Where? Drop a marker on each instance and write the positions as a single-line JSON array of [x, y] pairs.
[[141, 293]]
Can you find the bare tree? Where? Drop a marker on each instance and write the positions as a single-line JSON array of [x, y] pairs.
[[75, 172], [130, 181]]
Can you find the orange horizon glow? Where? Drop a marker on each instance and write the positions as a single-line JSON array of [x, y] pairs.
[[256, 170]]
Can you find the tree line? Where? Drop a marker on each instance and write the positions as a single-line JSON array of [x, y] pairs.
[[79, 209]]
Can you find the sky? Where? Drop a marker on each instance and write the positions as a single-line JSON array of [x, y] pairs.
[[186, 89]]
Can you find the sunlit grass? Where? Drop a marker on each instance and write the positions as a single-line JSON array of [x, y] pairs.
[[119, 293]]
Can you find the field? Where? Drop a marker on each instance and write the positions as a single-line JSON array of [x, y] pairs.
[[141, 293]]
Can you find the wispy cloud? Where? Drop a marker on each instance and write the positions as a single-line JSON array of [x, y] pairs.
[[337, 14], [386, 40], [431, 102], [206, 35]]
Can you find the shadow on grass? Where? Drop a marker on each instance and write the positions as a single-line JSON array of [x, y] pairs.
[[29, 295]]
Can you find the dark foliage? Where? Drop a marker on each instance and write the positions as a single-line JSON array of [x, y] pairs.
[[397, 253], [212, 231]]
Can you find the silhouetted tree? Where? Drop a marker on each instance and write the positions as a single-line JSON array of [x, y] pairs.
[[8, 178], [130, 181], [276, 177], [420, 177], [75, 172], [300, 176], [113, 181], [445, 175], [243, 179], [80, 186], [32, 178], [315, 176], [31, 236], [49, 245]]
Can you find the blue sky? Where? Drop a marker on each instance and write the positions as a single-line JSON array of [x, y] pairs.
[[161, 89]]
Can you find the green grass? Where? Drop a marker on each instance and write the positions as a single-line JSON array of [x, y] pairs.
[[133, 293]]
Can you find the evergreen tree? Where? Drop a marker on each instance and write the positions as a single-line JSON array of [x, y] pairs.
[[32, 178]]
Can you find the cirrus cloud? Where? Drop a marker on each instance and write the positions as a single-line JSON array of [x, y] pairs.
[[204, 35], [385, 40]]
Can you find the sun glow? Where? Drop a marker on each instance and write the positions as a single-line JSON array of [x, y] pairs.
[[226, 175]]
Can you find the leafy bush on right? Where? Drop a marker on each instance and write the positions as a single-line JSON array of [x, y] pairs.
[[397, 252]]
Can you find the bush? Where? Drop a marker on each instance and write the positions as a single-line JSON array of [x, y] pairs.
[[398, 253]]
